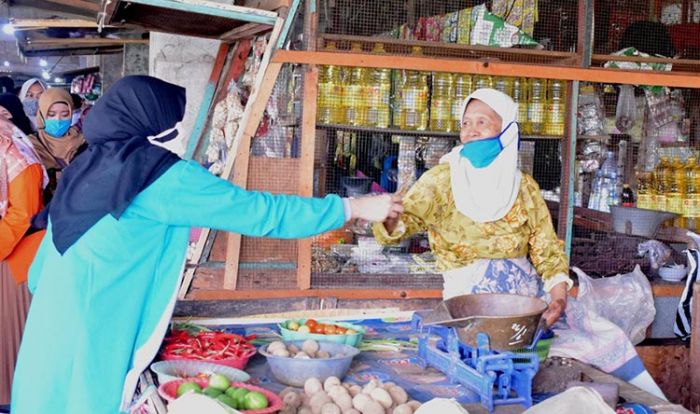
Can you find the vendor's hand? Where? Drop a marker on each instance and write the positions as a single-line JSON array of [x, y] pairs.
[[557, 306], [376, 208]]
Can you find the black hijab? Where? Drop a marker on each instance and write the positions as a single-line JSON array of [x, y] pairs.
[[119, 162], [14, 106]]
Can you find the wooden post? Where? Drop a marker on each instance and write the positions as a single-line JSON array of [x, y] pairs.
[[695, 350], [259, 96], [308, 140]]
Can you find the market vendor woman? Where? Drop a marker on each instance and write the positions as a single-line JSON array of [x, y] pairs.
[[106, 274], [488, 225], [491, 232]]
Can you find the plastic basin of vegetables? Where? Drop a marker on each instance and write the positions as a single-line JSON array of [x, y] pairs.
[[173, 370], [169, 393], [209, 346], [352, 339], [295, 371]]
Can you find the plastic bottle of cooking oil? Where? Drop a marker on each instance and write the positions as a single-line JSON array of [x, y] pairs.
[[554, 124], [463, 87], [482, 81], [354, 102], [330, 93], [397, 80], [414, 107], [644, 189], [536, 106], [692, 193], [662, 179], [441, 102], [520, 98], [378, 94], [676, 190], [503, 84]]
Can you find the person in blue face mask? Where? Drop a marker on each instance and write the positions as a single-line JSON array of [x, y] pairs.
[[56, 142], [491, 232]]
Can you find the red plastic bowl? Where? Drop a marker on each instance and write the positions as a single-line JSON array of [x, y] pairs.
[[169, 392], [238, 363]]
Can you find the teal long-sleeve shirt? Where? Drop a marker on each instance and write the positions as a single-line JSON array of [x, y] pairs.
[[100, 310]]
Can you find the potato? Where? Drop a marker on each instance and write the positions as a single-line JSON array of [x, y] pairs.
[[360, 401], [281, 353], [354, 389], [293, 349], [276, 345], [337, 390], [373, 407], [403, 409], [323, 355], [287, 391], [381, 396], [389, 384], [317, 400], [330, 408], [414, 404], [288, 410], [292, 399], [351, 411], [312, 386], [372, 384], [344, 401], [330, 382], [302, 355], [398, 395], [305, 410], [310, 346]]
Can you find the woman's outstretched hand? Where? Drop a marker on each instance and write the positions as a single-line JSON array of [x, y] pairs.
[[376, 207], [557, 306]]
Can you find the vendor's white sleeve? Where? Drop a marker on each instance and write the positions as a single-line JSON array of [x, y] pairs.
[[557, 279]]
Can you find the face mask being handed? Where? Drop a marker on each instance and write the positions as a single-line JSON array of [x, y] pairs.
[[481, 153], [57, 128], [31, 107]]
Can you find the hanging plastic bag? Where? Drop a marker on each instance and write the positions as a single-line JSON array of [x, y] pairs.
[[658, 253], [626, 300], [626, 112]]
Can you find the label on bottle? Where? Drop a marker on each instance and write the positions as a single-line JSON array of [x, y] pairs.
[[660, 203], [691, 206], [644, 201], [674, 203], [411, 119]]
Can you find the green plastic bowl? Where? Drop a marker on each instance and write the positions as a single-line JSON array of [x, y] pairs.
[[352, 340]]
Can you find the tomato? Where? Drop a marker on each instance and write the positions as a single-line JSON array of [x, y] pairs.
[[311, 323], [186, 387], [318, 329], [218, 381], [339, 330], [329, 330]]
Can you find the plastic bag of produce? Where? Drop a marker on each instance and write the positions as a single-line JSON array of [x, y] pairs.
[[626, 300], [491, 30]]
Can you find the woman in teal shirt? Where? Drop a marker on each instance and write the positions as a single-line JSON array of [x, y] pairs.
[[106, 274]]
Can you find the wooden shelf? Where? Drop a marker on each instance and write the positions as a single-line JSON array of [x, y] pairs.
[[397, 131]]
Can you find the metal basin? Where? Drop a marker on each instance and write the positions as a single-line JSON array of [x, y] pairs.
[[510, 321]]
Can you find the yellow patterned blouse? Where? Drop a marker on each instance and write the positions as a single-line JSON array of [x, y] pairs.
[[457, 241]]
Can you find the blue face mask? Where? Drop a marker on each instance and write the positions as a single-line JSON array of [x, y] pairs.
[[57, 128], [481, 153]]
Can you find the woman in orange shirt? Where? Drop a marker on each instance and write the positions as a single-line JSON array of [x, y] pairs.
[[22, 178]]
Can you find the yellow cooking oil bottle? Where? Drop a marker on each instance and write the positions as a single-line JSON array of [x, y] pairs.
[[377, 94], [354, 102], [330, 93], [554, 122], [441, 102], [692, 194], [536, 106], [482, 81], [520, 98], [414, 106], [662, 174], [463, 87], [676, 191], [644, 189], [503, 84]]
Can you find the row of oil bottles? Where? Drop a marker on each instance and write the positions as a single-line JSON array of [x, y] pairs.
[[419, 101], [673, 186]]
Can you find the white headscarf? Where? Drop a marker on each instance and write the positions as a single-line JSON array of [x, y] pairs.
[[23, 96], [487, 194]]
